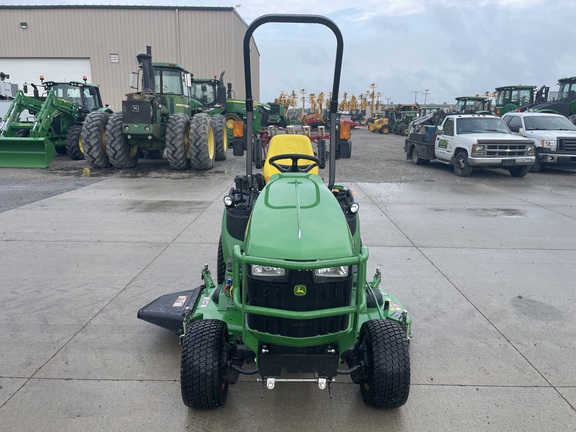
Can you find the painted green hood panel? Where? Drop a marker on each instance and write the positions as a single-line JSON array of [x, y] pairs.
[[296, 217]]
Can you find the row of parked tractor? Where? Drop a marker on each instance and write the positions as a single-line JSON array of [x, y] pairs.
[[170, 114], [518, 98]]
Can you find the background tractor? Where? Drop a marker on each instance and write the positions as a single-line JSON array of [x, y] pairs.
[[520, 97], [36, 128], [564, 103], [473, 105], [163, 116], [291, 294]]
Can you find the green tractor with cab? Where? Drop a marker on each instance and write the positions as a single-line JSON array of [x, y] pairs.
[[290, 299], [36, 128], [162, 117]]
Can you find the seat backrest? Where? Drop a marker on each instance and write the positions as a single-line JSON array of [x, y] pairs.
[[287, 144]]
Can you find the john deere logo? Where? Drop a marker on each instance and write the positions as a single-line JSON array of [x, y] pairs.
[[300, 290]]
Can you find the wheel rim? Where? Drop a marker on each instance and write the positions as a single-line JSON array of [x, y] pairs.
[[211, 145], [225, 141], [133, 151], [81, 144]]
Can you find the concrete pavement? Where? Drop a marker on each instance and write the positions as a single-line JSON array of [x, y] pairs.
[[486, 272]]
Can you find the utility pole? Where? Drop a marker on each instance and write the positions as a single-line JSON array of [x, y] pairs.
[[426, 93], [415, 96]]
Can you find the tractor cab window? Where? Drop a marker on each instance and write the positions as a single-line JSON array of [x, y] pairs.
[[567, 91], [503, 97], [168, 81], [205, 93], [90, 96], [68, 92], [522, 96]]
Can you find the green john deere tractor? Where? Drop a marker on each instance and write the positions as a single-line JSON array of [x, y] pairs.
[[290, 293], [36, 128], [564, 103], [514, 98], [216, 98], [162, 117], [473, 105]]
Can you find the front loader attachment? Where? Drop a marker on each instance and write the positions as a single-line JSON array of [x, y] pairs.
[[26, 152]]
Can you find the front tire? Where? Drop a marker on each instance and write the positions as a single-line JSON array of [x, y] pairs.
[[94, 139], [461, 167], [387, 382], [220, 136], [202, 145], [385, 130], [74, 142], [120, 154], [519, 171], [178, 141], [202, 374], [536, 167]]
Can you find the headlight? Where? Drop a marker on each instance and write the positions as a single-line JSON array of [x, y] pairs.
[[267, 271], [478, 150], [332, 272], [531, 150], [551, 144]]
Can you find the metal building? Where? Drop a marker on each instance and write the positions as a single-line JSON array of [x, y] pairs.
[[63, 43]]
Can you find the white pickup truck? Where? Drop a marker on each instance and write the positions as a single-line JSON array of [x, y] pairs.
[[553, 134], [470, 140]]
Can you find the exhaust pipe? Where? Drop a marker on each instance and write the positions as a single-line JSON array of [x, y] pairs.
[[145, 62]]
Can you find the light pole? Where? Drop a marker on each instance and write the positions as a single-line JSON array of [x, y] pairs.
[[303, 93], [426, 93], [415, 96]]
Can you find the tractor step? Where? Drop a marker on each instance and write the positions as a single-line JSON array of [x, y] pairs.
[[168, 311]]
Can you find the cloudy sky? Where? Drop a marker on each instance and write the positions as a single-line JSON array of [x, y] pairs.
[[410, 49]]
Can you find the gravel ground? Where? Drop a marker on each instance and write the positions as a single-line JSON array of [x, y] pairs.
[[375, 159]]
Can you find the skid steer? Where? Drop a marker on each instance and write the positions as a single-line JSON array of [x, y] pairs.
[[35, 129], [290, 300]]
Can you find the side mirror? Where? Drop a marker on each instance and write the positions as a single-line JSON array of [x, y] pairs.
[[440, 129], [133, 80]]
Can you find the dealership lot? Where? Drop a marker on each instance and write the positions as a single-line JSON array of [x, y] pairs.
[[484, 264]]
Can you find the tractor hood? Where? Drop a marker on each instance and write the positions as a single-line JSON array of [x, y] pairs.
[[297, 218]]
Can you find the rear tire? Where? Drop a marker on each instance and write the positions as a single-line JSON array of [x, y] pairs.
[[385, 130], [220, 136], [415, 159], [73, 142], [178, 141], [387, 383], [202, 145], [519, 171], [461, 167], [94, 139], [120, 154], [202, 373]]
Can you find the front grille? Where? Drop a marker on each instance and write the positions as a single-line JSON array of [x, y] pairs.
[[504, 150], [137, 112], [280, 295], [567, 144]]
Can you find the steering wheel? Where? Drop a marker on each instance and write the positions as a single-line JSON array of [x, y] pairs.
[[294, 157]]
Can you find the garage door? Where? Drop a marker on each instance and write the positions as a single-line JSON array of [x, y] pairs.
[[28, 70]]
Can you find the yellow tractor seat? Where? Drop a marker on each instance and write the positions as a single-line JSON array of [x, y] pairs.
[[288, 144]]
